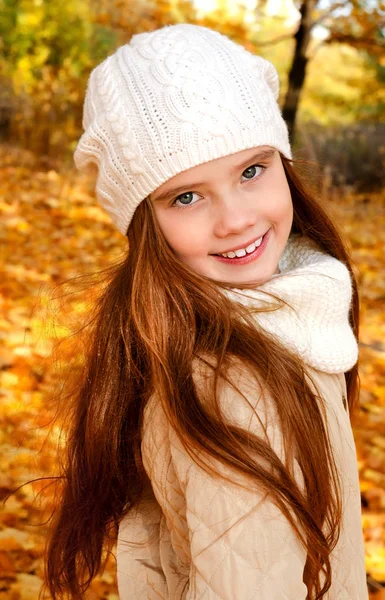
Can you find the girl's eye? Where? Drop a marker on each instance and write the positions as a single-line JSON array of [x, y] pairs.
[[253, 172], [186, 199]]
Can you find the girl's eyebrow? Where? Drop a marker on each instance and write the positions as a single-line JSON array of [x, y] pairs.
[[264, 155]]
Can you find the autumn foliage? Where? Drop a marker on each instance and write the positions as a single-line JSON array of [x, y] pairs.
[[54, 232], [55, 240]]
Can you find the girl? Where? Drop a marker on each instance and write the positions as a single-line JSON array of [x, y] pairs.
[[211, 429]]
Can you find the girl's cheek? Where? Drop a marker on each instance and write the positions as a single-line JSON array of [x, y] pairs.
[[186, 234], [280, 202]]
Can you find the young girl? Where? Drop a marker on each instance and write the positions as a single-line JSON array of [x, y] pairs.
[[212, 425]]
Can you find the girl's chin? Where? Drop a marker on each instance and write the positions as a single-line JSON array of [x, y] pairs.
[[252, 276], [252, 280]]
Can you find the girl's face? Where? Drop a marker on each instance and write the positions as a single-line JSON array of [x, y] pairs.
[[238, 206]]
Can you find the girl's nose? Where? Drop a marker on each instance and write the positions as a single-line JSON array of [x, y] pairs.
[[233, 215]]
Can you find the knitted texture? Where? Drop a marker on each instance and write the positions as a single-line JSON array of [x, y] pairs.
[[314, 324], [168, 101]]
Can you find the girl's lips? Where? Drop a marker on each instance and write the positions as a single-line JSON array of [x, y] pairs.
[[244, 260]]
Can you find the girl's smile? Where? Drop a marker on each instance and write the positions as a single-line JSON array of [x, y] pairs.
[[246, 254], [228, 219]]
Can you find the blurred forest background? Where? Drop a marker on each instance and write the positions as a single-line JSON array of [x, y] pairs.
[[330, 55]]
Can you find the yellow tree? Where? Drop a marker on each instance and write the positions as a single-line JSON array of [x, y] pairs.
[[359, 23], [46, 50]]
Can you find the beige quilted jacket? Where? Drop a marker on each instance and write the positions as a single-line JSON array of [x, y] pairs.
[[208, 539]]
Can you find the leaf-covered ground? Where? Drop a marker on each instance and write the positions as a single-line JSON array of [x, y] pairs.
[[52, 230]]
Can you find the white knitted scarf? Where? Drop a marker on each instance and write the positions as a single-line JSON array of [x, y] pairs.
[[318, 289]]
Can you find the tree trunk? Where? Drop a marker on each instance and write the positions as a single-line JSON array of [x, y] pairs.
[[298, 67]]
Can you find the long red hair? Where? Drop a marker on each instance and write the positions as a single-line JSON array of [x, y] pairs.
[[154, 318]]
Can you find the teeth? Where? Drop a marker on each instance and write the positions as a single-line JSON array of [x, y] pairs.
[[243, 251]]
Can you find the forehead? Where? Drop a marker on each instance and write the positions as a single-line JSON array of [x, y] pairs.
[[209, 171]]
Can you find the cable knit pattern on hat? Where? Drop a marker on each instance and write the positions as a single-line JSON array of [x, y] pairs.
[[170, 100], [318, 289]]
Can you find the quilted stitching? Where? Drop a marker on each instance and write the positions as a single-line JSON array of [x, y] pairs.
[[217, 541]]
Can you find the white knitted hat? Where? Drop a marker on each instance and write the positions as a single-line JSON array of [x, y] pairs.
[[169, 100]]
